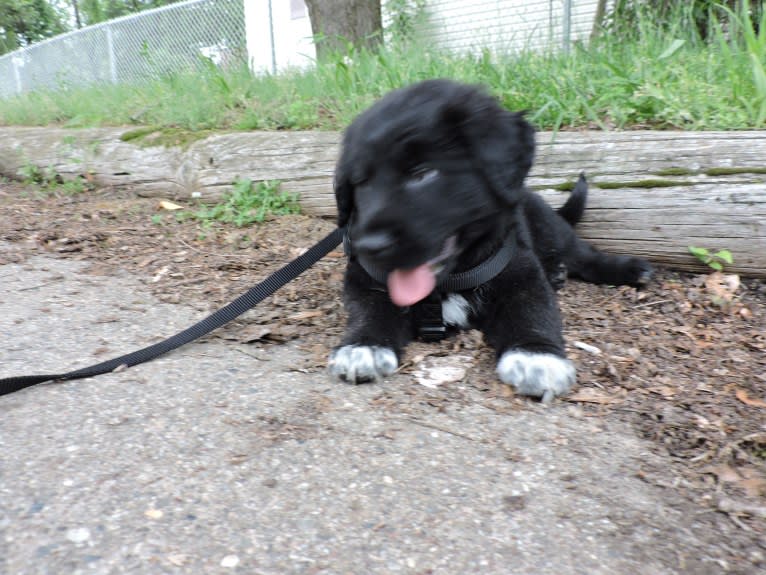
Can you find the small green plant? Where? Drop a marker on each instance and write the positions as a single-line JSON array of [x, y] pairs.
[[248, 203], [31, 174], [51, 181], [715, 260], [76, 186]]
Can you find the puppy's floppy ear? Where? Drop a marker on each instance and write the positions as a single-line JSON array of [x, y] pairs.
[[501, 142], [344, 191]]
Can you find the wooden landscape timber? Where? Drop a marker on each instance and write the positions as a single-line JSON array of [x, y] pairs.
[[653, 193]]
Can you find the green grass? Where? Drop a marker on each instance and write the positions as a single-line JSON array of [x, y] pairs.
[[658, 78], [247, 203]]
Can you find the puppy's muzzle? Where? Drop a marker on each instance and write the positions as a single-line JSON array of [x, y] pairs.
[[375, 246]]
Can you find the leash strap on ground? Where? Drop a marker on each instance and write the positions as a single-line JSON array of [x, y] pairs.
[[210, 323]]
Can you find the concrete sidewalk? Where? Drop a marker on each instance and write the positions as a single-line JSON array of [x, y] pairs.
[[221, 458]]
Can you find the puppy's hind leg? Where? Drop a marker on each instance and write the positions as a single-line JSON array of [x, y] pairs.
[[588, 263], [595, 266]]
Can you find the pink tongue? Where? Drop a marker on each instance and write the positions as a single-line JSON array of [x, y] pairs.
[[407, 287]]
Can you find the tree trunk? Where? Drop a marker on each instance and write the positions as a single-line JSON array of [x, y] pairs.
[[336, 23], [598, 19], [76, 9]]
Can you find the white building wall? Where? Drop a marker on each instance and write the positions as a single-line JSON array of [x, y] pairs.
[[507, 25], [278, 35], [455, 25]]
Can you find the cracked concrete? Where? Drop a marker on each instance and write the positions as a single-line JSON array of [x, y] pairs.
[[220, 459]]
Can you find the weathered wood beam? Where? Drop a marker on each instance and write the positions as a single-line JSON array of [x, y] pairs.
[[653, 193]]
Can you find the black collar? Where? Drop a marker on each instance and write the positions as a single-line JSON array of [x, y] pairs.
[[460, 281]]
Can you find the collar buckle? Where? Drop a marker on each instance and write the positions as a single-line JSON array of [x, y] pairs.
[[430, 321]]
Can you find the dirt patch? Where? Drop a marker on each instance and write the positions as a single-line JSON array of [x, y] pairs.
[[684, 360]]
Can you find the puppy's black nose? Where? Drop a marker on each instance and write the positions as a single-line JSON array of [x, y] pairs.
[[376, 244]]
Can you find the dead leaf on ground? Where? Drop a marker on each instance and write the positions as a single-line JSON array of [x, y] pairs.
[[305, 315], [441, 370], [592, 349], [728, 505], [722, 287], [725, 473], [754, 486], [170, 206], [743, 396]]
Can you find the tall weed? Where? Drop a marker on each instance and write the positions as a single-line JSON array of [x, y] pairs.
[[744, 38]]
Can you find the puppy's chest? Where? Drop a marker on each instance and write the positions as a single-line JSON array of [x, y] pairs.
[[458, 310]]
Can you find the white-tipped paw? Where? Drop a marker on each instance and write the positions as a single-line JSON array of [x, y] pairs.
[[361, 363], [542, 375]]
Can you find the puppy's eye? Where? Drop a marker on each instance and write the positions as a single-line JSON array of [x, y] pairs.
[[421, 176]]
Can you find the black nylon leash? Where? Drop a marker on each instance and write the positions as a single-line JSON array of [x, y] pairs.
[[224, 315]]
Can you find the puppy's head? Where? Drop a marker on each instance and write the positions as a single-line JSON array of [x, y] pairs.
[[423, 176]]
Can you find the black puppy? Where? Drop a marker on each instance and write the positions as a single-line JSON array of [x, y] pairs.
[[431, 185]]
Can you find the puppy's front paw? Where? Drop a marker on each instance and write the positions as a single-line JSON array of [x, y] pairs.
[[542, 375], [361, 363]]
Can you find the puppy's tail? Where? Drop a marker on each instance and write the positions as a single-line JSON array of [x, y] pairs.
[[573, 208]]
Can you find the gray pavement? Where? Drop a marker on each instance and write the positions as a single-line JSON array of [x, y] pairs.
[[223, 458]]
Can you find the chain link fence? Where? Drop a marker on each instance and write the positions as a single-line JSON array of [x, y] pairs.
[[508, 25], [145, 45], [189, 35]]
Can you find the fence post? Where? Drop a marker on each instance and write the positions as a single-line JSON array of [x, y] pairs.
[[112, 61], [567, 26], [259, 36], [17, 62], [271, 35]]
